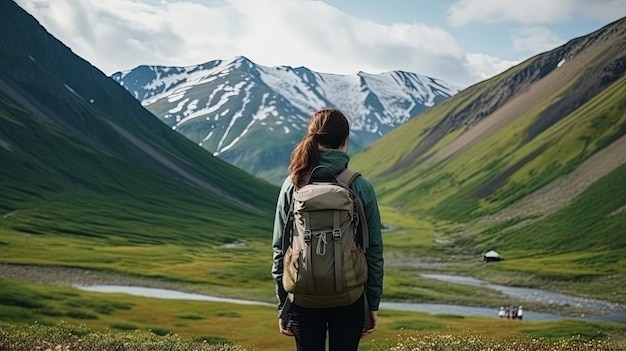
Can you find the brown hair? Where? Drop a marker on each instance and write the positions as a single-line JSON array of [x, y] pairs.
[[327, 128]]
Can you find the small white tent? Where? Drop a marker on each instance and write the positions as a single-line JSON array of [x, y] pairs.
[[491, 255]]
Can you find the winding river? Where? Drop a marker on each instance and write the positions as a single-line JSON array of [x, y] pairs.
[[613, 312], [528, 294], [115, 283]]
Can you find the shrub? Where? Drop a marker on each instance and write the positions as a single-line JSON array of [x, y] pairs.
[[212, 339], [159, 331], [28, 337], [78, 314], [123, 326], [473, 342], [189, 316]]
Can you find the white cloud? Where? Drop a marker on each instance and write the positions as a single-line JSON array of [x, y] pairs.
[[485, 66], [535, 40], [110, 35], [463, 12], [119, 34]]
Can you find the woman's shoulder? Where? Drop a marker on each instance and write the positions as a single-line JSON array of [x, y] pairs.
[[363, 186], [362, 181], [287, 183]]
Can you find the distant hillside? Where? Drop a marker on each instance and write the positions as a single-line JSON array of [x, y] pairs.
[[532, 160], [230, 107], [80, 156]]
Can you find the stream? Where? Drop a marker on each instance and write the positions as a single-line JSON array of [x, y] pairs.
[[529, 294], [115, 283], [614, 313]]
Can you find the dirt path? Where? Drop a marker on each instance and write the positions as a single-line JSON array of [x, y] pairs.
[[76, 276]]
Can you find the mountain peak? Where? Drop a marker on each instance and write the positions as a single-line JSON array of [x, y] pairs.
[[241, 60], [223, 105]]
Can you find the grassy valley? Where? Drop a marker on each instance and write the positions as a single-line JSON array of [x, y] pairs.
[[95, 189], [540, 185], [120, 319], [102, 184]]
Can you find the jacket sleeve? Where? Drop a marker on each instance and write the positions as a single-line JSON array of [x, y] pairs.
[[282, 207], [374, 253]]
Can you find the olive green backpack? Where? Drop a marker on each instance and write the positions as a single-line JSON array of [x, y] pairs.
[[325, 239]]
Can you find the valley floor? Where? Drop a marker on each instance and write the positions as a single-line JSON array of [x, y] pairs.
[[69, 276]]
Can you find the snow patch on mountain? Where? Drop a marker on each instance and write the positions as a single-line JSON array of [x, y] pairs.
[[223, 102]]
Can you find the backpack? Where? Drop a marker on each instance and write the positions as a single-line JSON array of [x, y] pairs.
[[324, 261]]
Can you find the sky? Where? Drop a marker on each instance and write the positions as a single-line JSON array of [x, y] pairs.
[[461, 42]]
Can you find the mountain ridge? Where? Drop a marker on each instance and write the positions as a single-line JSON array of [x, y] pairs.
[[504, 163], [226, 106]]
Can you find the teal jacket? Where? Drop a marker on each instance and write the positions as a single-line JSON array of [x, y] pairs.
[[334, 162]]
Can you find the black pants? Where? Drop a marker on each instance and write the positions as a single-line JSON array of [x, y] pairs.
[[344, 326]]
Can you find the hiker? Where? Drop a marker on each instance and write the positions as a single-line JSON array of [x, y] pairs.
[[321, 157], [501, 312]]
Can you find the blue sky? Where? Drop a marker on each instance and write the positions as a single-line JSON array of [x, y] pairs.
[[459, 41], [479, 34]]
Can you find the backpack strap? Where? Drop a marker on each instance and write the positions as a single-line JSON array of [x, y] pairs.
[[288, 229], [309, 174], [337, 250], [346, 177]]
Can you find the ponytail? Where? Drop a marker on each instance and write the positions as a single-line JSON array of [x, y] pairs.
[[303, 159], [327, 128]]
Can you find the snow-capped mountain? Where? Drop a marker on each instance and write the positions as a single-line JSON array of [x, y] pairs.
[[252, 116]]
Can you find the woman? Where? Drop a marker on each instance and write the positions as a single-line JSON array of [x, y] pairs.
[[325, 144]]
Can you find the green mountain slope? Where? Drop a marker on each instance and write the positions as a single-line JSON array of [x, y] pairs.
[[530, 161], [79, 156]]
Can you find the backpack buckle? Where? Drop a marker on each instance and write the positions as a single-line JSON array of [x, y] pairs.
[[336, 234], [307, 236]]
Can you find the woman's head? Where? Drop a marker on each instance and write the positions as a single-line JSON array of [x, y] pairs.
[[328, 128]]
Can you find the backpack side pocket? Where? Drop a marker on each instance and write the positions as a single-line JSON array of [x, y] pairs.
[[291, 266], [354, 267]]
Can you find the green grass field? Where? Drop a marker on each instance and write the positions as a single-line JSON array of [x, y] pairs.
[[247, 326], [243, 272]]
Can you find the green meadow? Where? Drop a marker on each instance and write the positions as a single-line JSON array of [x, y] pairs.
[[419, 336], [25, 306], [175, 260]]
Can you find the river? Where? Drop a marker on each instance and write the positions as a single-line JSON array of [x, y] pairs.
[[614, 315], [529, 294], [115, 283], [612, 312]]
